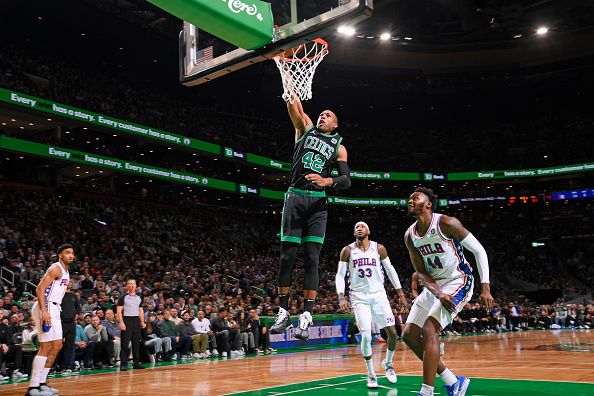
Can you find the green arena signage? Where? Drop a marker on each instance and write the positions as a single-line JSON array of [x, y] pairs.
[[126, 127], [520, 173], [69, 155]]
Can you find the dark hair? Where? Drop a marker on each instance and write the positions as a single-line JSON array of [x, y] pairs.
[[430, 194], [222, 309], [64, 246]]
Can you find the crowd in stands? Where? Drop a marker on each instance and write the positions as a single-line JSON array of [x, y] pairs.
[[525, 140], [207, 278]]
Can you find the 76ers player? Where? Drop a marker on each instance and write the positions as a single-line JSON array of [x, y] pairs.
[[364, 260], [435, 244], [46, 313]]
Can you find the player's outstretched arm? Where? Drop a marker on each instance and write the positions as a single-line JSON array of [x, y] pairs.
[[428, 281], [301, 121], [392, 275], [54, 272], [339, 279], [453, 228]]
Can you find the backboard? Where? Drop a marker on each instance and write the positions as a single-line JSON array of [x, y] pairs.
[[204, 57]]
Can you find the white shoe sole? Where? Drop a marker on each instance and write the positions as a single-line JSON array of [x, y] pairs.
[[373, 386]]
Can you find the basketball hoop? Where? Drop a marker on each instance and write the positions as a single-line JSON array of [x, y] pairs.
[[297, 67]]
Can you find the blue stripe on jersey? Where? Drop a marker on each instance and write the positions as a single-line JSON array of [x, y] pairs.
[[463, 292], [464, 267]]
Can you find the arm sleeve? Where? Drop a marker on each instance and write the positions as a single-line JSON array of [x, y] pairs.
[[340, 274], [344, 176], [391, 272], [482, 262]]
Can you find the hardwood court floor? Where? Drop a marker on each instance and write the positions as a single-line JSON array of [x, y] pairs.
[[558, 356]]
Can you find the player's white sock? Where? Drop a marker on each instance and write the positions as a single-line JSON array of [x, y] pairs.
[[426, 390], [43, 375], [369, 364], [448, 377], [38, 365], [389, 356]]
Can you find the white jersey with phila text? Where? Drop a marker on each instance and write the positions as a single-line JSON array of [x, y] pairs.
[[443, 257], [366, 272], [55, 291]]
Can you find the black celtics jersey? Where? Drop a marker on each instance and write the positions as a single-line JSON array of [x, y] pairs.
[[314, 152]]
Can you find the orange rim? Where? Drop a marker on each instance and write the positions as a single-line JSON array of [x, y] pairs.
[[287, 56]]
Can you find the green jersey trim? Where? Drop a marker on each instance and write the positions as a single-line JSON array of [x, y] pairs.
[[313, 238], [337, 147], [287, 238], [308, 130], [308, 193]]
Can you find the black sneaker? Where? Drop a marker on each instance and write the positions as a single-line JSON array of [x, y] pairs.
[[138, 366], [282, 322]]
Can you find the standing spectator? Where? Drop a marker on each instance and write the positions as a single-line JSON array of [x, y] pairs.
[[227, 336], [70, 309], [131, 320], [4, 345], [112, 326]]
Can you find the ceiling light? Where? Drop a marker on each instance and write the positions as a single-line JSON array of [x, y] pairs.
[[408, 38], [385, 36], [346, 30], [542, 30]]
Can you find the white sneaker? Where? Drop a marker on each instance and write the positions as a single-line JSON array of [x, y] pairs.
[[302, 331], [215, 353], [207, 353], [390, 372], [196, 355], [17, 375], [282, 322], [224, 354], [48, 389], [37, 392], [372, 382]]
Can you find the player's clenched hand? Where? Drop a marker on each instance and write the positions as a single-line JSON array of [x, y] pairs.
[[47, 318], [345, 305], [403, 304], [486, 299], [319, 180], [448, 302]]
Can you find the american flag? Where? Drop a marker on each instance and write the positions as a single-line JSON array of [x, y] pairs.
[[204, 55]]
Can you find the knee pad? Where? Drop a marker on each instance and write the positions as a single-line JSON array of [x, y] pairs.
[[366, 342]]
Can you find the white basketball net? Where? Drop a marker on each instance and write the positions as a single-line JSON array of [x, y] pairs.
[[297, 67]]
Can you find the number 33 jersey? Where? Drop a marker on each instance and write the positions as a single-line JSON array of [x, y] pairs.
[[443, 257], [365, 269]]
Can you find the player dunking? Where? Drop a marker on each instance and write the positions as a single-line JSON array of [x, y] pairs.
[[364, 260], [46, 313], [435, 244], [317, 150]]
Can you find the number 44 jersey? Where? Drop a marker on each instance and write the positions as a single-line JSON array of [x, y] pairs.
[[314, 152], [443, 257], [366, 272]]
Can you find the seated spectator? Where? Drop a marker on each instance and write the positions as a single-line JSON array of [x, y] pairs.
[[114, 332], [158, 345], [186, 329], [83, 350], [179, 342], [104, 347], [249, 334], [228, 334], [202, 328]]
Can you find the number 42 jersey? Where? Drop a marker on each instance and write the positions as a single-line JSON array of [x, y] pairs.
[[366, 272], [314, 152]]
